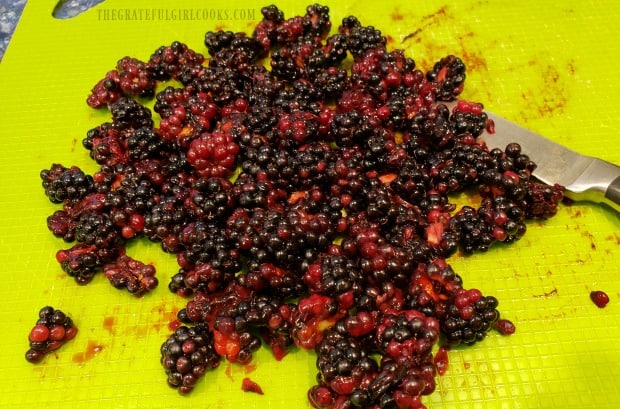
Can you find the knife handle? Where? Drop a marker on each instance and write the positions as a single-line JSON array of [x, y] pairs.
[[600, 182]]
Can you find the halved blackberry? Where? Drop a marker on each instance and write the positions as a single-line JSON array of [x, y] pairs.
[[53, 329], [448, 75], [105, 91], [336, 276], [167, 61], [62, 225], [125, 272], [242, 323], [134, 78], [187, 355], [83, 261]]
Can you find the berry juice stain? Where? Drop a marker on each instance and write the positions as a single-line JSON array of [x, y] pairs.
[[108, 324], [92, 350]]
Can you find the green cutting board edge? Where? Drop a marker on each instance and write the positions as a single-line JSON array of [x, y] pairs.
[[553, 68]]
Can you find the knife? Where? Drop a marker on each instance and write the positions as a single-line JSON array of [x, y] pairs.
[[585, 178]]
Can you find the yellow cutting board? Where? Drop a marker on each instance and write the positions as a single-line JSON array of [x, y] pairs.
[[552, 66]]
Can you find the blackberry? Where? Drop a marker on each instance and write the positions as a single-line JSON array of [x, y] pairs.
[[66, 184], [474, 234], [213, 154], [134, 78], [212, 199], [97, 229], [187, 355], [138, 278], [433, 128], [541, 200], [331, 82], [167, 61], [407, 372], [239, 53], [165, 220], [127, 188], [83, 261], [350, 128], [105, 144], [250, 193], [219, 42], [106, 91], [201, 242], [468, 118], [345, 364], [310, 163], [380, 261], [145, 143], [205, 307], [314, 315], [283, 64], [265, 30], [62, 225], [448, 75], [316, 22], [297, 128], [261, 314], [412, 181], [432, 287], [127, 113], [289, 30], [53, 329], [469, 317], [91, 203], [260, 120], [336, 276], [223, 84], [202, 277], [360, 39]]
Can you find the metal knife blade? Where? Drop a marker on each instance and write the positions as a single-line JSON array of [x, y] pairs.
[[584, 177]]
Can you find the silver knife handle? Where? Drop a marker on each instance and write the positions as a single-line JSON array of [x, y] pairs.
[[599, 182]]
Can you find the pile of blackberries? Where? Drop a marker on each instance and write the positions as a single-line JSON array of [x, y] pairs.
[[303, 176]]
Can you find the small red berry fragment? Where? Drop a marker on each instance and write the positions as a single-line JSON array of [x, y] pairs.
[[248, 385], [505, 326], [441, 360], [600, 298], [52, 330]]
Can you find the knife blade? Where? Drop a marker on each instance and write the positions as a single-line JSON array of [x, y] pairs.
[[585, 178]]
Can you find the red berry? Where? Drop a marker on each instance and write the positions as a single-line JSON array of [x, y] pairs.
[[249, 385], [57, 333], [506, 327], [599, 298], [40, 333]]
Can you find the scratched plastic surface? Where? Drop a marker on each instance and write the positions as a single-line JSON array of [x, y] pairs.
[[551, 67]]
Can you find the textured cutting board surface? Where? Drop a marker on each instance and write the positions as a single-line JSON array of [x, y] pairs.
[[553, 68]]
